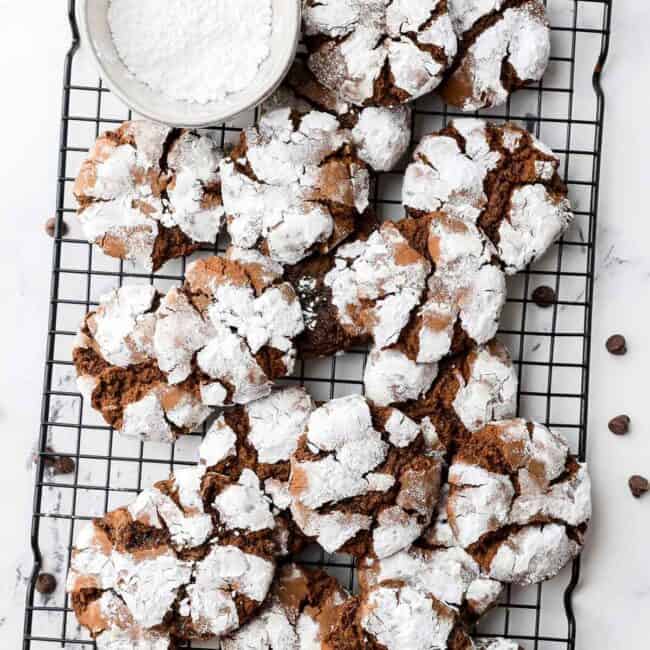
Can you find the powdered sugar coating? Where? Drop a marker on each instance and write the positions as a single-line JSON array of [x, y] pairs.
[[376, 283], [277, 422], [277, 194], [148, 583], [391, 377], [465, 278], [252, 446], [358, 40], [221, 339], [450, 576], [180, 331], [490, 393], [466, 288], [147, 578], [297, 615], [109, 619], [533, 554], [381, 134], [534, 222], [443, 177], [518, 40], [244, 505], [342, 456], [145, 419], [123, 324], [480, 505], [225, 573], [464, 170], [405, 618], [146, 177], [537, 493]]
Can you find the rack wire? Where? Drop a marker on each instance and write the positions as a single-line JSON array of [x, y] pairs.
[[550, 347]]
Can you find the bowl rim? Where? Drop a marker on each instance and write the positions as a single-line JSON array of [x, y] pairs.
[[265, 91]]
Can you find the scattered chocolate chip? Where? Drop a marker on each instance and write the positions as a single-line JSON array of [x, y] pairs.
[[616, 344], [638, 485], [58, 464], [619, 425], [544, 296], [46, 583], [50, 227]]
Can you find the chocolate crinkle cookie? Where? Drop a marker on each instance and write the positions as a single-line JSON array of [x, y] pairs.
[[380, 134], [294, 185], [253, 444], [306, 609], [148, 193], [471, 389], [417, 289], [498, 178], [421, 598], [516, 500], [379, 52], [362, 480], [503, 46], [156, 366], [176, 563], [461, 307]]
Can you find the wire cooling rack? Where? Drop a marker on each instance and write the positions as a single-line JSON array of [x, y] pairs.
[[551, 347]]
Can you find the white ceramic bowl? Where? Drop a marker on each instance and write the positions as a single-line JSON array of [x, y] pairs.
[[147, 102]]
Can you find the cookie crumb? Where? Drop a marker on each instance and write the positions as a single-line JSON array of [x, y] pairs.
[[616, 344], [620, 425], [544, 296], [639, 485], [46, 584]]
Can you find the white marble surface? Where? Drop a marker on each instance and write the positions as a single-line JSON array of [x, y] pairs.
[[615, 586]]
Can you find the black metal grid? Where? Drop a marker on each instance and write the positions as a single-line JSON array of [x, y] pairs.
[[550, 347]]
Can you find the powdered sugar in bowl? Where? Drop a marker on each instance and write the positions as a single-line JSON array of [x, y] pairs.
[[191, 62]]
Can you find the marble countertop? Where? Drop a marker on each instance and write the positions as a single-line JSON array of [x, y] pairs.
[[615, 580]]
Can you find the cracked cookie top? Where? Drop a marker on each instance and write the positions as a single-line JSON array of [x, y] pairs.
[[461, 307], [376, 283], [148, 193], [470, 390], [361, 479], [517, 501], [379, 52], [293, 185], [421, 598], [418, 289], [306, 609], [503, 46], [499, 178], [380, 134], [156, 366], [256, 442], [171, 564]]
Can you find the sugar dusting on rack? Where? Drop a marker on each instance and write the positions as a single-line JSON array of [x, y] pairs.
[[193, 50]]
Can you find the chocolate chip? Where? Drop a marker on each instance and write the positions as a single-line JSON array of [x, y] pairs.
[[46, 584], [638, 485], [50, 227], [619, 425], [544, 296], [616, 344], [58, 464]]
